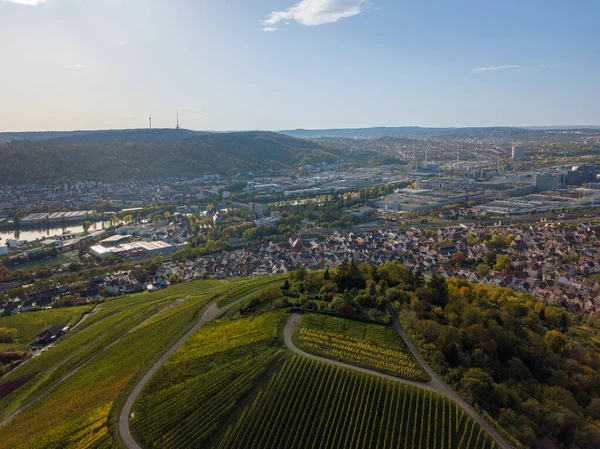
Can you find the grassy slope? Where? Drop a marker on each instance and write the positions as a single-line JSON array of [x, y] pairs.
[[30, 324], [113, 348]]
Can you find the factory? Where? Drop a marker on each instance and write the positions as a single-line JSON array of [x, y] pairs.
[[57, 217], [414, 200], [133, 250]]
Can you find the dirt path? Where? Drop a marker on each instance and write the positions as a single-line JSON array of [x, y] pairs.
[[436, 384], [124, 430], [209, 314]]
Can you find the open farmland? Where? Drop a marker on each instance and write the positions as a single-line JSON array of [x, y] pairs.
[[71, 389], [370, 346], [29, 324]]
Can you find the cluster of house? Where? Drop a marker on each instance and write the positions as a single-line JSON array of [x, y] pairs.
[[552, 262], [83, 292], [541, 256], [125, 283]]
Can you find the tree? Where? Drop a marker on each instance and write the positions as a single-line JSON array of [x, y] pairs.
[[458, 258], [326, 275], [477, 384], [7, 335], [86, 226], [440, 288], [348, 276], [503, 263], [269, 293], [555, 341], [482, 270], [300, 274], [489, 258]]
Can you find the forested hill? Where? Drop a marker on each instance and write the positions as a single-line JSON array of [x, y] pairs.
[[131, 135], [91, 157]]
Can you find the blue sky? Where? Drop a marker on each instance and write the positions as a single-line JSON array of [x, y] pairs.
[[279, 64]]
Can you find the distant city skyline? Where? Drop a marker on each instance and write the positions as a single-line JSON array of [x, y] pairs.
[[287, 64]]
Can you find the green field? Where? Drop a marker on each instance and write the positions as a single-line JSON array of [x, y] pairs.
[[371, 346], [309, 404], [29, 324], [101, 362], [192, 395]]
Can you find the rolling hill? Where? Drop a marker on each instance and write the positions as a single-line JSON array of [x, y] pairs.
[[153, 154]]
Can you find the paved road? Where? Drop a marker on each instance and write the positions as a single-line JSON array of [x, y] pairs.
[[435, 384]]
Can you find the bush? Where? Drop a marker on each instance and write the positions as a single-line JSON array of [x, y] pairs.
[[7, 335], [270, 293]]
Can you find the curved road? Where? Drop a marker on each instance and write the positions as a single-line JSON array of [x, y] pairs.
[[124, 430], [435, 384], [209, 314]]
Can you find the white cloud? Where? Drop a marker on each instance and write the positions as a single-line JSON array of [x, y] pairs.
[[317, 12], [76, 66], [495, 68], [26, 2], [122, 42], [269, 29]]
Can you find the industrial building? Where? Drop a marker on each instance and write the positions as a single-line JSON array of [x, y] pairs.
[[550, 180], [57, 217], [417, 200], [518, 152], [114, 240], [133, 250], [3, 250], [581, 174], [259, 209]]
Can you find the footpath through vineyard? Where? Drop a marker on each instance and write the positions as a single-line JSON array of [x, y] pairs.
[[209, 314], [435, 384]]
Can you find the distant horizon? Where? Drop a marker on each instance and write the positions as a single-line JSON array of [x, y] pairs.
[[530, 127]]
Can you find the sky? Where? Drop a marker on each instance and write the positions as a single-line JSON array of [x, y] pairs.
[[286, 64]]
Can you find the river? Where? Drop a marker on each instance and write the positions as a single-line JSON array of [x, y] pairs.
[[30, 234]]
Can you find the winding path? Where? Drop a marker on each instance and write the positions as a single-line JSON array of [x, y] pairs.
[[435, 384], [209, 314], [124, 430]]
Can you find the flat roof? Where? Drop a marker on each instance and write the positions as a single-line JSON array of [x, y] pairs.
[[114, 238]]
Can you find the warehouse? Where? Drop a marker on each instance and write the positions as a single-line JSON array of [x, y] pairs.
[[133, 249]]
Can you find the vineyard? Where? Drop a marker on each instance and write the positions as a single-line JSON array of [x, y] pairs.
[[246, 287], [309, 404], [230, 385], [205, 380], [112, 348], [370, 346]]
